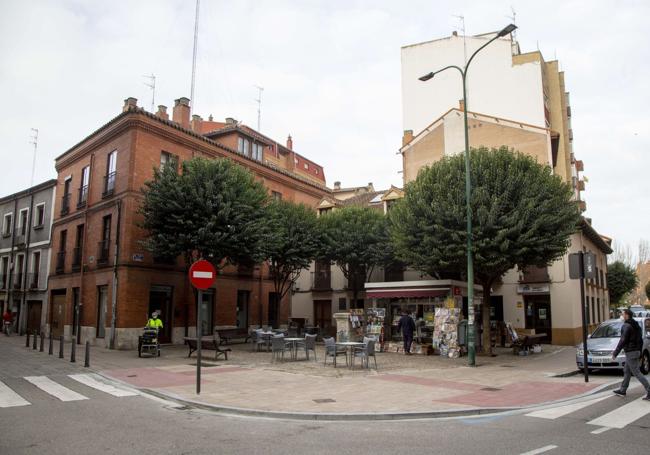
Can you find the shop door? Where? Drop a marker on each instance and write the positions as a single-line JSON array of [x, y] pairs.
[[58, 315], [160, 299], [274, 308], [243, 298], [34, 309], [323, 315], [538, 315]]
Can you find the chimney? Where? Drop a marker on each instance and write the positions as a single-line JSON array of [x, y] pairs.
[[454, 33], [290, 143], [196, 123], [230, 121], [407, 137], [461, 104], [162, 112], [337, 185], [210, 118], [181, 112], [130, 103], [370, 187]]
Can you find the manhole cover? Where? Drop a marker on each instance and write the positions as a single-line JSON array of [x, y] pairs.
[[132, 376], [324, 400], [490, 389]]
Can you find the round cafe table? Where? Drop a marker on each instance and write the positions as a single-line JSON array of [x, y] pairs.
[[350, 345], [294, 346]]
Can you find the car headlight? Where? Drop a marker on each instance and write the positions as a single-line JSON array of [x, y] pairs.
[[581, 352]]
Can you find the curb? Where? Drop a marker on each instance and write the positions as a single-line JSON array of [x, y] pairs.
[[313, 416]]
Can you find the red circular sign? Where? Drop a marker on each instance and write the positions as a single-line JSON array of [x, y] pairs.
[[202, 274]]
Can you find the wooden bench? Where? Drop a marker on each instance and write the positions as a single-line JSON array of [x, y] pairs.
[[207, 344], [227, 335]]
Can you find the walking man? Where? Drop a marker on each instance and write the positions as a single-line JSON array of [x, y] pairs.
[[407, 326], [631, 342], [7, 321]]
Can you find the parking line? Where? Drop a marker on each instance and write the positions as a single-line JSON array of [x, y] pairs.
[[540, 450]]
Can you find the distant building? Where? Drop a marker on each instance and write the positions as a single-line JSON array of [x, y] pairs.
[[26, 221]]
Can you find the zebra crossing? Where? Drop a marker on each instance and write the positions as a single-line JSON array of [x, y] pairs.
[[617, 415], [10, 398]]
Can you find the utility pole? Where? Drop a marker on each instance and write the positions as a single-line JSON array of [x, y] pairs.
[[34, 142], [259, 105], [152, 85], [196, 38]]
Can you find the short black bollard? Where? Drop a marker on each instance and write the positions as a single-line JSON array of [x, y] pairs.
[[72, 352], [61, 347], [51, 349], [26, 339], [87, 359], [35, 336], [40, 348]]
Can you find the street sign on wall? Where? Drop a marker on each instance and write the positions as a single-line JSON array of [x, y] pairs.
[[202, 274]]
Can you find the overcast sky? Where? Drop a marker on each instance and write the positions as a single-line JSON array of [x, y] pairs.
[[331, 77]]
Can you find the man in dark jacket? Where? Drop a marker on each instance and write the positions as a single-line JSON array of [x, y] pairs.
[[632, 343], [407, 325]]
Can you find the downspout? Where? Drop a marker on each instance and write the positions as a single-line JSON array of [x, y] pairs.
[[28, 229], [114, 291], [12, 267], [83, 251]]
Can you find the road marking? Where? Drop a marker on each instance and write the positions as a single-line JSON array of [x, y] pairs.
[[56, 390], [9, 398], [540, 450], [601, 430], [561, 411], [623, 416], [90, 381]]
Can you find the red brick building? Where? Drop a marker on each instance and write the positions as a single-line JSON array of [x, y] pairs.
[[103, 283]]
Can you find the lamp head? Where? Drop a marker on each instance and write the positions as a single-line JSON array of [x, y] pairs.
[[426, 77], [507, 30]]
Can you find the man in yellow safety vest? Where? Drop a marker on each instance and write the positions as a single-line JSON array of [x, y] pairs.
[[154, 322]]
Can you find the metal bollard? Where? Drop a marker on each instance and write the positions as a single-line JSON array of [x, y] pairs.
[[50, 350], [27, 339], [35, 336], [72, 352], [87, 358], [61, 347], [40, 348]]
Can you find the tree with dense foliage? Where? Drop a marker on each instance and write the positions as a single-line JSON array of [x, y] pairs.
[[647, 290], [291, 244], [356, 239], [522, 215], [621, 280], [213, 209]]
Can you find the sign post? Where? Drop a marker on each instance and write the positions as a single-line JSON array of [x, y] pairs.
[[202, 276], [581, 266]]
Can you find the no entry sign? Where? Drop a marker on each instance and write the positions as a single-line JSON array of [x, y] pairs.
[[202, 274]]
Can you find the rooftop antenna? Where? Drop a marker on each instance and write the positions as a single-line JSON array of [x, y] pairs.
[[461, 18], [152, 85], [513, 20], [259, 105], [34, 142], [196, 37]]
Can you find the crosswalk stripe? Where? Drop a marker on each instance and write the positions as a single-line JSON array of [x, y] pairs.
[[540, 450], [9, 398], [601, 430], [623, 416], [561, 411], [56, 390], [91, 381]]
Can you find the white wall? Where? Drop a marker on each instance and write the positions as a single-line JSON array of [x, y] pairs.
[[495, 86]]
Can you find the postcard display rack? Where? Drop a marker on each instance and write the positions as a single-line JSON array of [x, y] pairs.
[[375, 325], [445, 330]]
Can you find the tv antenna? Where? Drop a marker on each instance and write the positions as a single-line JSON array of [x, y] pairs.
[[461, 19], [34, 142], [196, 37], [259, 105], [152, 85], [513, 19]]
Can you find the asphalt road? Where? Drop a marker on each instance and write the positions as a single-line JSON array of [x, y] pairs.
[[103, 423]]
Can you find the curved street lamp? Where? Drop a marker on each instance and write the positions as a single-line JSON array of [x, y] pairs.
[[471, 336]]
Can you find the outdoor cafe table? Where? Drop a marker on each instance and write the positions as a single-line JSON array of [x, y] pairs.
[[350, 345], [267, 337], [294, 346]]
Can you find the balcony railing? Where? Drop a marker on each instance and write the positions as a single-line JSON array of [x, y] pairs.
[[3, 281], [33, 280], [60, 262], [103, 252], [83, 197], [65, 204], [321, 280], [76, 259], [109, 185], [17, 281], [21, 239]]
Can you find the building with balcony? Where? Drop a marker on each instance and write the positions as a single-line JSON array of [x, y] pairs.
[[104, 284], [26, 218]]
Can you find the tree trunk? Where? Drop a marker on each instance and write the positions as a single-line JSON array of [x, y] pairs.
[[485, 312]]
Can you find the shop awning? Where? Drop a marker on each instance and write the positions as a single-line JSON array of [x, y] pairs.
[[405, 293]]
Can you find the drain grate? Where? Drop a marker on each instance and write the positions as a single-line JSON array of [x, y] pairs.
[[324, 400], [132, 376], [490, 389]]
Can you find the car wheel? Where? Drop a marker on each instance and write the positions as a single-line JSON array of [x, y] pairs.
[[645, 363]]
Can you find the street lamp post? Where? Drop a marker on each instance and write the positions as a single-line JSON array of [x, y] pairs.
[[471, 334]]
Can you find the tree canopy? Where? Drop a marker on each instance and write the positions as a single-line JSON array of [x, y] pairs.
[[292, 242], [214, 207], [647, 290], [621, 280], [522, 215]]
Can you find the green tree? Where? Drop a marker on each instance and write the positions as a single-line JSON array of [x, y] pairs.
[[522, 215], [356, 240], [213, 208], [647, 290], [292, 242], [621, 280]]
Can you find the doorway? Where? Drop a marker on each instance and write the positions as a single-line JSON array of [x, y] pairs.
[[58, 313], [34, 309], [274, 308], [323, 315], [538, 315], [207, 313], [243, 299], [160, 299]]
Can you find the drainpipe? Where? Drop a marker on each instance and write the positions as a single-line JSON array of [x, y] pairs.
[[28, 230], [114, 292], [11, 255], [83, 251]]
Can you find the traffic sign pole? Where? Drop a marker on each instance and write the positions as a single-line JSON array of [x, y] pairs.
[[198, 342]]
